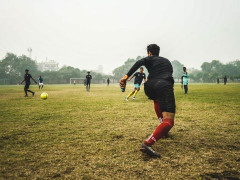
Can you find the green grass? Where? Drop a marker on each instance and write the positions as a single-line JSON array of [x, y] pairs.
[[96, 135]]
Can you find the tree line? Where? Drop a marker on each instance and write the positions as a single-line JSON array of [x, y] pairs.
[[12, 70]]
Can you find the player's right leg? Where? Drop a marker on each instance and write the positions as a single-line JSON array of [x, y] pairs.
[[25, 90]]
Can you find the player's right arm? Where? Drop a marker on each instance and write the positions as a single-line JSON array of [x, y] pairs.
[[185, 75], [123, 83], [137, 65], [129, 79]]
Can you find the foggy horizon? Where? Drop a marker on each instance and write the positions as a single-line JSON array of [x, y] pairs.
[[88, 34]]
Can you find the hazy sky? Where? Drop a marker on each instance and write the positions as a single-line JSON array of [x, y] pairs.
[[86, 34]]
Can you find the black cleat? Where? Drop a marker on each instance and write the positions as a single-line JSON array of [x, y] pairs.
[[33, 93], [26, 96], [149, 150]]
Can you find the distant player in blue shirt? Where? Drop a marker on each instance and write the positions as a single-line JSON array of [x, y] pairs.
[[40, 82], [185, 77], [139, 76]]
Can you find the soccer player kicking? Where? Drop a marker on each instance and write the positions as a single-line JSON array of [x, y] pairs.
[[159, 87], [139, 76], [27, 78], [88, 78], [40, 82]]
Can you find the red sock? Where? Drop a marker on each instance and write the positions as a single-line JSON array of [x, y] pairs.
[[158, 110], [160, 131]]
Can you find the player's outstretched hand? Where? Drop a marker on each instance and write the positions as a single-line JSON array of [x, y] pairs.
[[123, 83]]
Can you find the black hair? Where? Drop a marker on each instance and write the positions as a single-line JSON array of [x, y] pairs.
[[154, 49]]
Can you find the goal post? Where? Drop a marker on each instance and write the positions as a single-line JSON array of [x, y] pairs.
[[93, 81], [77, 80]]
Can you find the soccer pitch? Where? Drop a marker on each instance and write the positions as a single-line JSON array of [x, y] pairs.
[[76, 134]]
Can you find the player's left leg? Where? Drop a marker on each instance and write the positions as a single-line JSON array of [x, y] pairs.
[[186, 89], [33, 93], [158, 110]]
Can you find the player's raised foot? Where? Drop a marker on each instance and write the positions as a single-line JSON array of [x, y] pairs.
[[149, 150], [126, 98], [133, 98]]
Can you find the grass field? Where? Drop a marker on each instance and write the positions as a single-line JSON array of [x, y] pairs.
[[96, 135]]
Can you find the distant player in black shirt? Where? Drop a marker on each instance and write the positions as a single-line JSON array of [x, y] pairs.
[[108, 81], [225, 80], [159, 87], [27, 78], [88, 81], [139, 76]]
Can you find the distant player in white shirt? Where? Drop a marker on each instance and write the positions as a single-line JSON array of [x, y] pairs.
[[40, 82]]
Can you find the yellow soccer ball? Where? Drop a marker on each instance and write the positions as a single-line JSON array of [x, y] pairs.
[[44, 96]]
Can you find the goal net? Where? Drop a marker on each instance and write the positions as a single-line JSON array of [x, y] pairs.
[[77, 80]]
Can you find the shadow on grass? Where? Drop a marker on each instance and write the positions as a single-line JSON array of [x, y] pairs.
[[230, 175]]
